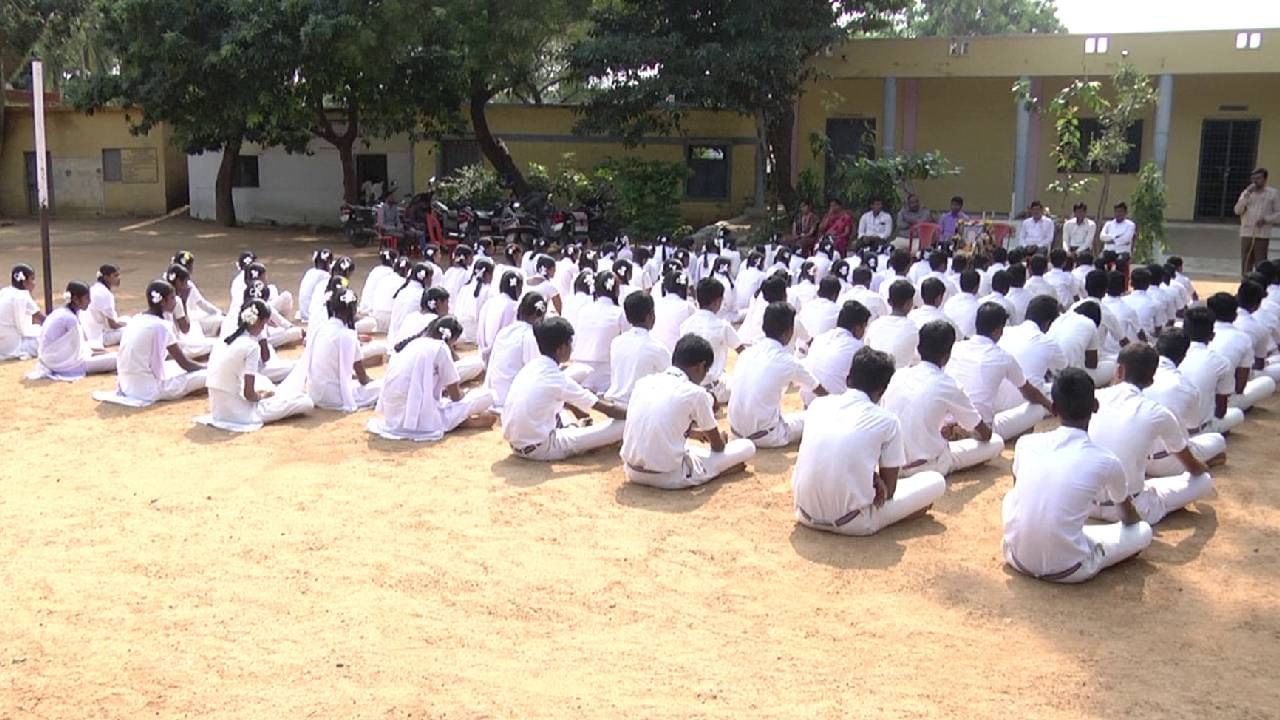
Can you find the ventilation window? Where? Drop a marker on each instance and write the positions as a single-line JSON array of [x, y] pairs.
[[1096, 45], [1248, 40], [959, 48]]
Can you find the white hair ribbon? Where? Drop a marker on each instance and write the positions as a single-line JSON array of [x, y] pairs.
[[20, 276], [540, 306], [249, 316], [156, 297], [445, 333]]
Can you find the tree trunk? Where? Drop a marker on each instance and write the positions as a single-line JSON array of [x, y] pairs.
[[762, 159], [780, 130], [224, 202], [1102, 205], [350, 184], [495, 151]]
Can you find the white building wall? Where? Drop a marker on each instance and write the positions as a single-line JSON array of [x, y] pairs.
[[294, 189]]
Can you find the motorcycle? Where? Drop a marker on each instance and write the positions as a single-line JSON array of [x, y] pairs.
[[359, 224]]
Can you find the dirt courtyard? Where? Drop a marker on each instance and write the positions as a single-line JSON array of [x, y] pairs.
[[153, 568]]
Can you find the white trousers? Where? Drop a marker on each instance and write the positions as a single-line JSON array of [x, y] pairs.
[[1204, 447], [1225, 424], [279, 407], [719, 389], [179, 386], [283, 303], [277, 338], [375, 349], [1020, 420], [1161, 496], [111, 337], [570, 441], [700, 465], [961, 454], [913, 494], [1104, 373], [787, 430], [211, 325], [367, 325], [382, 321], [101, 364], [1258, 389], [28, 347], [469, 368], [1111, 543], [1272, 369], [595, 376]]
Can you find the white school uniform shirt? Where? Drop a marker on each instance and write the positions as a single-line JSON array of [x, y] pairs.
[[1125, 316], [413, 388], [63, 348], [665, 407], [331, 354], [407, 299], [140, 365], [1118, 235], [869, 300], [888, 283], [514, 348], [746, 286], [1110, 331], [1233, 344], [1177, 393], [1058, 477], [1145, 310], [1038, 233], [1078, 235], [962, 311], [382, 300], [763, 373], [896, 335], [313, 280], [801, 293], [1212, 374], [1037, 354], [846, 438], [873, 225], [829, 358], [917, 272], [545, 288], [1001, 300], [924, 398], [1064, 284], [595, 327], [371, 282], [949, 283], [1021, 298], [102, 305], [633, 355], [16, 309], [1247, 323], [538, 393], [1076, 335], [498, 312], [1129, 424], [980, 366], [926, 314], [454, 278], [819, 315], [670, 312], [1037, 285], [723, 338], [228, 365]]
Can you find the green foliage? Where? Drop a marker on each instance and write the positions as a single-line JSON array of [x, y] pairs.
[[477, 184], [645, 194], [1147, 206], [856, 181], [26, 23], [567, 185], [810, 187], [951, 18]]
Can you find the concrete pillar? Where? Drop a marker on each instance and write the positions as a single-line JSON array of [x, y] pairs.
[[1020, 152], [1164, 117], [910, 108], [889, 133]]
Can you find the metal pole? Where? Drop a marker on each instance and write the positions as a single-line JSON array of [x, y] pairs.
[[42, 180]]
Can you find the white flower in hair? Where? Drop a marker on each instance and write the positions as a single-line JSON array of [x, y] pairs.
[[540, 306], [155, 296], [66, 296], [348, 297], [249, 316], [431, 305], [445, 333], [609, 281], [20, 276]]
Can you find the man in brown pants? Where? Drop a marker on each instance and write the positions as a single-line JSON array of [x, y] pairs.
[[1259, 209]]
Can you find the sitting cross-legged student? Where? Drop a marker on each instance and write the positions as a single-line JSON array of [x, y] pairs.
[[764, 372]]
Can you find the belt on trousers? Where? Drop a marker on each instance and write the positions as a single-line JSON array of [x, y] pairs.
[[1051, 577], [838, 522], [1108, 503], [1160, 455], [526, 450], [753, 436]]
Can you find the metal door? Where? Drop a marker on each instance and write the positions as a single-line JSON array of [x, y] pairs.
[[1228, 151]]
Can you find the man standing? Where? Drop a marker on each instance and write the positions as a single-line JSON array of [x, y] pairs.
[[1259, 209], [950, 222], [913, 214], [1077, 233], [875, 226], [1037, 230], [1117, 236]]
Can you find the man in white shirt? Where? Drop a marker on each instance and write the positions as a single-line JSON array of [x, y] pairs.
[[634, 354], [1076, 332], [932, 292], [979, 365], [1078, 232], [1112, 334], [962, 308], [1117, 235], [941, 430], [1150, 315], [765, 370], [1175, 391], [835, 481], [672, 308], [831, 353], [861, 291], [1037, 230], [938, 269], [1058, 477], [1213, 375], [707, 324], [540, 391], [875, 226], [895, 333], [1018, 293], [1000, 287], [819, 314], [666, 408], [1129, 424], [1037, 285], [1037, 354], [1237, 347]]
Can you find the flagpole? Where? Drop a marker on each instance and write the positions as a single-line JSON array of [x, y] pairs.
[[42, 179]]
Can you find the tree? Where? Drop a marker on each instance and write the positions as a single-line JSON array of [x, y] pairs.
[[211, 70], [513, 48], [651, 61], [935, 18], [1149, 203]]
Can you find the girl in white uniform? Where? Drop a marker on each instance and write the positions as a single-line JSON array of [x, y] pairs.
[[434, 304], [596, 326], [273, 367], [498, 312], [19, 315], [198, 309], [624, 270], [314, 279], [408, 297], [238, 283], [429, 256], [64, 352], [566, 272], [580, 297], [807, 288], [517, 257], [473, 297], [671, 309], [729, 309], [456, 276], [543, 281], [151, 366], [386, 259], [383, 302], [191, 337], [748, 281], [333, 357], [102, 325], [514, 348], [240, 399], [421, 400]]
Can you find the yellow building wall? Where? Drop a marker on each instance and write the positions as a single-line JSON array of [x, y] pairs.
[[544, 135], [831, 99], [973, 122]]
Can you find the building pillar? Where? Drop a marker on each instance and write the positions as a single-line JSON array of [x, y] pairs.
[[1164, 117], [889, 133], [909, 114], [1021, 150]]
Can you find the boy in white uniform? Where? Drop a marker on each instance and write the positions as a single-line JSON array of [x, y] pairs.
[[634, 354], [1058, 476], [671, 309], [819, 314], [666, 408], [1039, 356], [941, 430], [764, 372], [962, 308], [895, 333], [861, 291], [932, 293], [1076, 332], [1237, 347], [1001, 284], [836, 485], [1177, 393], [831, 353], [1212, 374], [1128, 424], [708, 325], [1253, 322], [979, 365]]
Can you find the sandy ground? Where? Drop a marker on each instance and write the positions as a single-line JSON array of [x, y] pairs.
[[155, 568]]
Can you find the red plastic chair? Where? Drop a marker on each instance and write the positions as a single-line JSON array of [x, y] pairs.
[[926, 233], [1000, 233]]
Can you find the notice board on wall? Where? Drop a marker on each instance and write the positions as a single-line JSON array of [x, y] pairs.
[[139, 165]]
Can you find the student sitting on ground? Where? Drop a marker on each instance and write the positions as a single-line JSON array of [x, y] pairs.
[[764, 372], [634, 354]]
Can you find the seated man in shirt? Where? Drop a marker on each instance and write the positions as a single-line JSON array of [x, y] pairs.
[[1037, 229], [1128, 424], [634, 354], [1117, 236], [1077, 233], [875, 226], [763, 373], [912, 214], [1237, 347], [668, 407], [1058, 476], [953, 221], [980, 366], [819, 314], [531, 417], [835, 481], [831, 352], [941, 430], [707, 324]]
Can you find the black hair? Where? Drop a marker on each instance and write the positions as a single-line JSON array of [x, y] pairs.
[[1038, 264], [1080, 206], [959, 263], [1095, 284], [431, 298], [755, 259], [1174, 260], [402, 265], [937, 261], [446, 329], [852, 314], [175, 273], [532, 308], [774, 288], [1115, 283], [710, 290], [256, 290], [342, 305], [675, 282], [901, 292], [157, 291], [779, 319], [1139, 361], [185, 258], [841, 269], [261, 310], [1140, 278], [1042, 310], [900, 261], [1198, 323], [830, 288], [809, 271], [723, 267], [552, 334], [691, 350], [936, 340], [1000, 255], [105, 270], [606, 286], [870, 371], [861, 275], [20, 274], [1223, 306], [421, 274], [481, 268], [1084, 257], [970, 280], [322, 259], [254, 271], [542, 263], [387, 256], [344, 266], [583, 281], [511, 250], [1093, 311], [511, 284], [1036, 203], [1057, 257], [75, 289], [1173, 344], [1001, 282], [1073, 395], [1017, 275], [990, 318], [1260, 171], [1157, 273], [246, 258], [638, 307], [957, 199], [932, 291], [461, 254], [1250, 294], [1121, 206]]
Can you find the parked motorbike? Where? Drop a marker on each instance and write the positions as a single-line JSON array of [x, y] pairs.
[[359, 223]]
